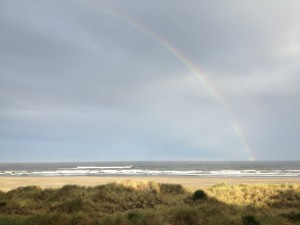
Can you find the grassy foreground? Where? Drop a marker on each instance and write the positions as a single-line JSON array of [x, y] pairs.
[[150, 203]]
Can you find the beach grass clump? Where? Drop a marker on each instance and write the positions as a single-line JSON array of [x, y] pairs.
[[221, 184], [174, 189], [141, 185], [70, 206], [47, 219], [66, 192], [292, 216], [143, 218], [186, 216], [258, 195], [150, 203], [10, 221], [26, 192]]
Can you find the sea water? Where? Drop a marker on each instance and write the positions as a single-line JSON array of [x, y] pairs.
[[156, 168]]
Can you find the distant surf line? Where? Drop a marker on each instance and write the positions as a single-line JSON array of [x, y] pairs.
[[182, 58]]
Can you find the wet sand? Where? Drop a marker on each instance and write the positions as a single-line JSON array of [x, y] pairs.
[[8, 183]]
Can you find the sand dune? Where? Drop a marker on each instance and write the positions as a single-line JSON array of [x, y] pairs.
[[8, 183]]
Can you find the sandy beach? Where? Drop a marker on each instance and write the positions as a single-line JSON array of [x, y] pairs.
[[8, 183]]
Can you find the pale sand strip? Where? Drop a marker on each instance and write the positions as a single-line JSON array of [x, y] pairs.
[[8, 183]]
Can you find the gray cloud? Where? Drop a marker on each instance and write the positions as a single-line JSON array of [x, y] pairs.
[[79, 82]]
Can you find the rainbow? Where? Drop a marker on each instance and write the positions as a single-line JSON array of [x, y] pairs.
[[195, 72]]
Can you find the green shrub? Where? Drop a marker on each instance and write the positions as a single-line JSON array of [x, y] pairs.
[[133, 215], [2, 204], [249, 220], [199, 194]]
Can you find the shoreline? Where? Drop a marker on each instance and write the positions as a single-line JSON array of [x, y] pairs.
[[9, 183]]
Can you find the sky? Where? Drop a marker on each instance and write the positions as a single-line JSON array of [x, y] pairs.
[[87, 80]]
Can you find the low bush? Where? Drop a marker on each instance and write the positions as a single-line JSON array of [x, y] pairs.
[[199, 195], [2, 204], [249, 220]]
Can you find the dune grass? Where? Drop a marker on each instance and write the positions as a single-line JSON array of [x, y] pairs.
[[147, 203]]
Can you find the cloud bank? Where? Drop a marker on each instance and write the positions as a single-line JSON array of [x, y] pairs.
[[84, 80]]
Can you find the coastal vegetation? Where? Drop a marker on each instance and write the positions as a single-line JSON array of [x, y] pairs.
[[150, 203]]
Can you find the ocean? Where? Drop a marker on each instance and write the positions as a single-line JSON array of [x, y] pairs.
[[156, 168]]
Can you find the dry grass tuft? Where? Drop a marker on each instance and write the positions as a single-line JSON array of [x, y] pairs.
[[258, 195]]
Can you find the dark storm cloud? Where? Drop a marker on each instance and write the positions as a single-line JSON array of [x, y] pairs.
[[77, 77]]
